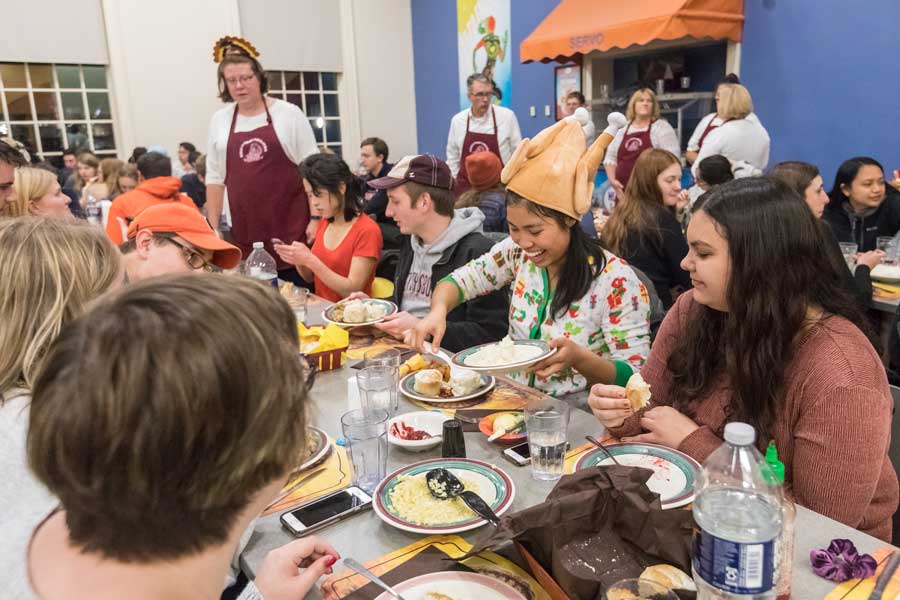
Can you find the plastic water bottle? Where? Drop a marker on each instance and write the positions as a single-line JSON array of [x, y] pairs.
[[737, 516], [261, 265], [92, 210]]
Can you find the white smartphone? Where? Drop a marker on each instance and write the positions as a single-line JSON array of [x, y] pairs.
[[520, 455], [324, 511]]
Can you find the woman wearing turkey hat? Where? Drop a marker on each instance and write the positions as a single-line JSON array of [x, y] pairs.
[[255, 144], [567, 290]]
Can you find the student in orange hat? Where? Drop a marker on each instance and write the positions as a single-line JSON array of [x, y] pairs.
[[174, 238], [487, 193]]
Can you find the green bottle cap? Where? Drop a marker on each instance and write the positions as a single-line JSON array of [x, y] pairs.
[[776, 465]]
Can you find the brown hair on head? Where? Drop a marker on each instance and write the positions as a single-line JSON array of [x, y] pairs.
[[444, 200], [162, 413], [239, 58], [643, 198], [797, 174]]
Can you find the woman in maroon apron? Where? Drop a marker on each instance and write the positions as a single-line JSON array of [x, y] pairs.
[[642, 113], [265, 192], [472, 143]]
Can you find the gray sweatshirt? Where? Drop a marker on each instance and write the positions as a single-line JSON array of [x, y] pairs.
[[417, 291]]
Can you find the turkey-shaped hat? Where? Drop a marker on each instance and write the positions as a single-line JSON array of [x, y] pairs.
[[554, 170]]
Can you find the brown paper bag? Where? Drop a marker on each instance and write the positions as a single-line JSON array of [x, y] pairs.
[[596, 527]]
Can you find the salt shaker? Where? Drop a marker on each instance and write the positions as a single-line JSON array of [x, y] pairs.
[[453, 444]]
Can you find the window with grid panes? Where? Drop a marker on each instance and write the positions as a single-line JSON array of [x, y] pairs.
[[51, 107], [317, 96]]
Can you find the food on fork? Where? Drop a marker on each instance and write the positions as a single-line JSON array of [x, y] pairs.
[[638, 392]]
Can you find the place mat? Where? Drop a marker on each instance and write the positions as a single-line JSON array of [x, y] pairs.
[[337, 474], [885, 290], [506, 395], [860, 589], [363, 339], [428, 555]]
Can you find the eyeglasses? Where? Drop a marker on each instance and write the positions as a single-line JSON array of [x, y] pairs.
[[483, 94], [242, 79], [194, 259]]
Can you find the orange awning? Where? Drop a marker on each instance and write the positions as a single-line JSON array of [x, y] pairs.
[[577, 27]]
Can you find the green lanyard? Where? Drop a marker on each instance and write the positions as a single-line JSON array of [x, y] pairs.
[[535, 333]]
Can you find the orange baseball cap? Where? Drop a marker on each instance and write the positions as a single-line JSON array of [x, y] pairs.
[[187, 223]]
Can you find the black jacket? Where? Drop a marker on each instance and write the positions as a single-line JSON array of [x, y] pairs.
[[376, 207], [863, 229], [659, 257], [478, 321], [858, 282]]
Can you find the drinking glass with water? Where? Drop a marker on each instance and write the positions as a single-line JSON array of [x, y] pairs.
[[378, 388], [366, 434], [547, 424]]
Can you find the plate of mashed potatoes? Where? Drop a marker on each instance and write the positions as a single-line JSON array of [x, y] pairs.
[[359, 312], [505, 356]]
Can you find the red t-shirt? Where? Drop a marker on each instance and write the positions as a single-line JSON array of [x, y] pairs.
[[363, 239]]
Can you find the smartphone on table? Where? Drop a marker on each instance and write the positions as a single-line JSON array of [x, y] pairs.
[[315, 515], [520, 455]]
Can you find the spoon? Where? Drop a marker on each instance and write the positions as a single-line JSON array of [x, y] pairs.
[[597, 443], [349, 562], [444, 485]]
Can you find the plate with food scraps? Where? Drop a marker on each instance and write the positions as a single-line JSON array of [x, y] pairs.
[[358, 312], [674, 472], [453, 585], [508, 418], [437, 386], [402, 499], [505, 356], [417, 431], [886, 273], [317, 446]]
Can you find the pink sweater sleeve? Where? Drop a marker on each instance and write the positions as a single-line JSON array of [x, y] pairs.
[[840, 444], [654, 370]]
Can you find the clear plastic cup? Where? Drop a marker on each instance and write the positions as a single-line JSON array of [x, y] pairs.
[[366, 434], [547, 424], [378, 388]]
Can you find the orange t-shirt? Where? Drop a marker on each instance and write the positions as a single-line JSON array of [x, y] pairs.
[[363, 239], [149, 193]]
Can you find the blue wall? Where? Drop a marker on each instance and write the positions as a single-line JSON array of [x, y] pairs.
[[436, 70], [825, 79]]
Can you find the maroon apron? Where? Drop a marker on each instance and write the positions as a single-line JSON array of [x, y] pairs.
[[709, 127], [632, 146], [265, 192], [475, 142]]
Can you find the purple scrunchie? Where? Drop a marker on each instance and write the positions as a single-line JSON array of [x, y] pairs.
[[841, 561]]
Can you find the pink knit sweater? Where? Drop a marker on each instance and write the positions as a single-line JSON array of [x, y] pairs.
[[834, 433]]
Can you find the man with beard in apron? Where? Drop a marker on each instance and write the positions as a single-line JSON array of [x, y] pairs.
[[255, 145], [482, 127]]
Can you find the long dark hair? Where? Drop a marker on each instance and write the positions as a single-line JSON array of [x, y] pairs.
[[584, 257], [328, 172], [778, 271], [845, 175]]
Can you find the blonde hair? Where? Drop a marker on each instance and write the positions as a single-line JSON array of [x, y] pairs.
[[630, 113], [734, 101], [109, 174], [50, 270], [30, 185]]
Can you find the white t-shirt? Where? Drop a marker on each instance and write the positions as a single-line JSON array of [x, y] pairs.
[[738, 140], [24, 499], [693, 144], [508, 133], [661, 136], [291, 128]]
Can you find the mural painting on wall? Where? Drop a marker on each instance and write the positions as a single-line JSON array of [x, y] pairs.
[[483, 45]]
